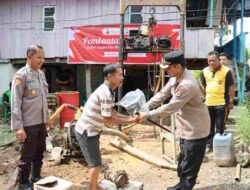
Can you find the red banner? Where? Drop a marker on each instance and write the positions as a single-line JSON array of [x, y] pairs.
[[100, 44]]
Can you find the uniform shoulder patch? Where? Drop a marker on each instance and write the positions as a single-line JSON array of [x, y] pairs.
[[179, 91], [18, 81]]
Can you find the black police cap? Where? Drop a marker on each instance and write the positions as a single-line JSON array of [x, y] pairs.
[[175, 57]]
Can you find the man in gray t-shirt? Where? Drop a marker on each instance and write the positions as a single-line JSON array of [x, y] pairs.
[[98, 111]]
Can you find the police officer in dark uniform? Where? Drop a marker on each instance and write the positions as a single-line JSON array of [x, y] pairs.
[[191, 116], [29, 116]]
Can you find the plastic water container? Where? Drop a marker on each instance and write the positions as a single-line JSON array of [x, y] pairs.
[[223, 149]]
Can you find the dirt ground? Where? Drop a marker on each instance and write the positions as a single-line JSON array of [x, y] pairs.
[[210, 176]]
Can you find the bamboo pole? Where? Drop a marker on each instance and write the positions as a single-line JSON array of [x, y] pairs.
[[238, 173]]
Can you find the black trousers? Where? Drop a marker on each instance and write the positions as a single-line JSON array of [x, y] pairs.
[[32, 150], [217, 118], [190, 159]]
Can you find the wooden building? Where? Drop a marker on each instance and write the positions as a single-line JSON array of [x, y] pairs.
[[46, 22]]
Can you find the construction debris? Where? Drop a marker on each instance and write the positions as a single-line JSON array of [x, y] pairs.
[[53, 183], [243, 156], [56, 155], [119, 178], [132, 185]]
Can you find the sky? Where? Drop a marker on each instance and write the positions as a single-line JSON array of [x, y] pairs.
[[246, 28]]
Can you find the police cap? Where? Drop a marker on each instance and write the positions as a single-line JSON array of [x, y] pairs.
[[175, 57]]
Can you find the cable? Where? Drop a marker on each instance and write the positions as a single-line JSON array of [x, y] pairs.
[[177, 19], [114, 14], [163, 20]]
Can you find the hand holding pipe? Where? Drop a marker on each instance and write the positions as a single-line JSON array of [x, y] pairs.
[[157, 124]]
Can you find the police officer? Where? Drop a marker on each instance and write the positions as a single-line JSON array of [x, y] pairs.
[[191, 114], [29, 115]]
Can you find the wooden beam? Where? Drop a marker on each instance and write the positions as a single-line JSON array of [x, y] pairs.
[[149, 158], [88, 80], [180, 4]]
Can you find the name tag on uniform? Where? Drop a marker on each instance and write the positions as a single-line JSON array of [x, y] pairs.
[[29, 77], [33, 92]]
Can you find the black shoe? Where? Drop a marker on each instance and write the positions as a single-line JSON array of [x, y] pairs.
[[24, 186], [176, 187], [35, 179]]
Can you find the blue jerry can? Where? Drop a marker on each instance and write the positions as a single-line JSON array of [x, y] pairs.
[[223, 149]]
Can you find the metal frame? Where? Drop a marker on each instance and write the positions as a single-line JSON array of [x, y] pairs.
[[241, 82], [181, 5]]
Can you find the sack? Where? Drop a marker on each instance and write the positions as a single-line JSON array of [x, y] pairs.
[[134, 102]]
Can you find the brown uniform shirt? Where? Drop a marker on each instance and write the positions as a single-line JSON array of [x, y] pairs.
[[187, 103]]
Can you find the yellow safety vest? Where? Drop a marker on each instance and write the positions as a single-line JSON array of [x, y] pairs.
[[215, 86]]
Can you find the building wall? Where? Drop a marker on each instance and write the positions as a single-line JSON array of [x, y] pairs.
[[198, 42], [7, 71], [21, 24]]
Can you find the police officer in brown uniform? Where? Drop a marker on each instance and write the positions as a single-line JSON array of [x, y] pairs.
[[29, 115], [192, 117]]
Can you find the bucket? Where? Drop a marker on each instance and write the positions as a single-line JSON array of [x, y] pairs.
[[68, 97]]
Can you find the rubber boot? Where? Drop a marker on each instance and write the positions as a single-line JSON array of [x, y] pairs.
[[35, 174], [176, 187]]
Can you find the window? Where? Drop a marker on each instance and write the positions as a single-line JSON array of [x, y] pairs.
[[49, 18], [133, 15], [196, 13]]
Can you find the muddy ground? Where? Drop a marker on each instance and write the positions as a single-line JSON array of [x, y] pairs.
[[210, 177]]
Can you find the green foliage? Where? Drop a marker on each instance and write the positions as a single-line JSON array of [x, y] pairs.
[[197, 74], [244, 123]]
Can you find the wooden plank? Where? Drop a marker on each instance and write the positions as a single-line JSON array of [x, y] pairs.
[[50, 2], [16, 11], [0, 15], [21, 40], [187, 35], [117, 12], [82, 9], [64, 42], [70, 10], [26, 7], [108, 5], [6, 11], [95, 10], [171, 16], [48, 42], [5, 38], [59, 30], [191, 44], [88, 80], [39, 2], [206, 42], [36, 12], [149, 158]]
